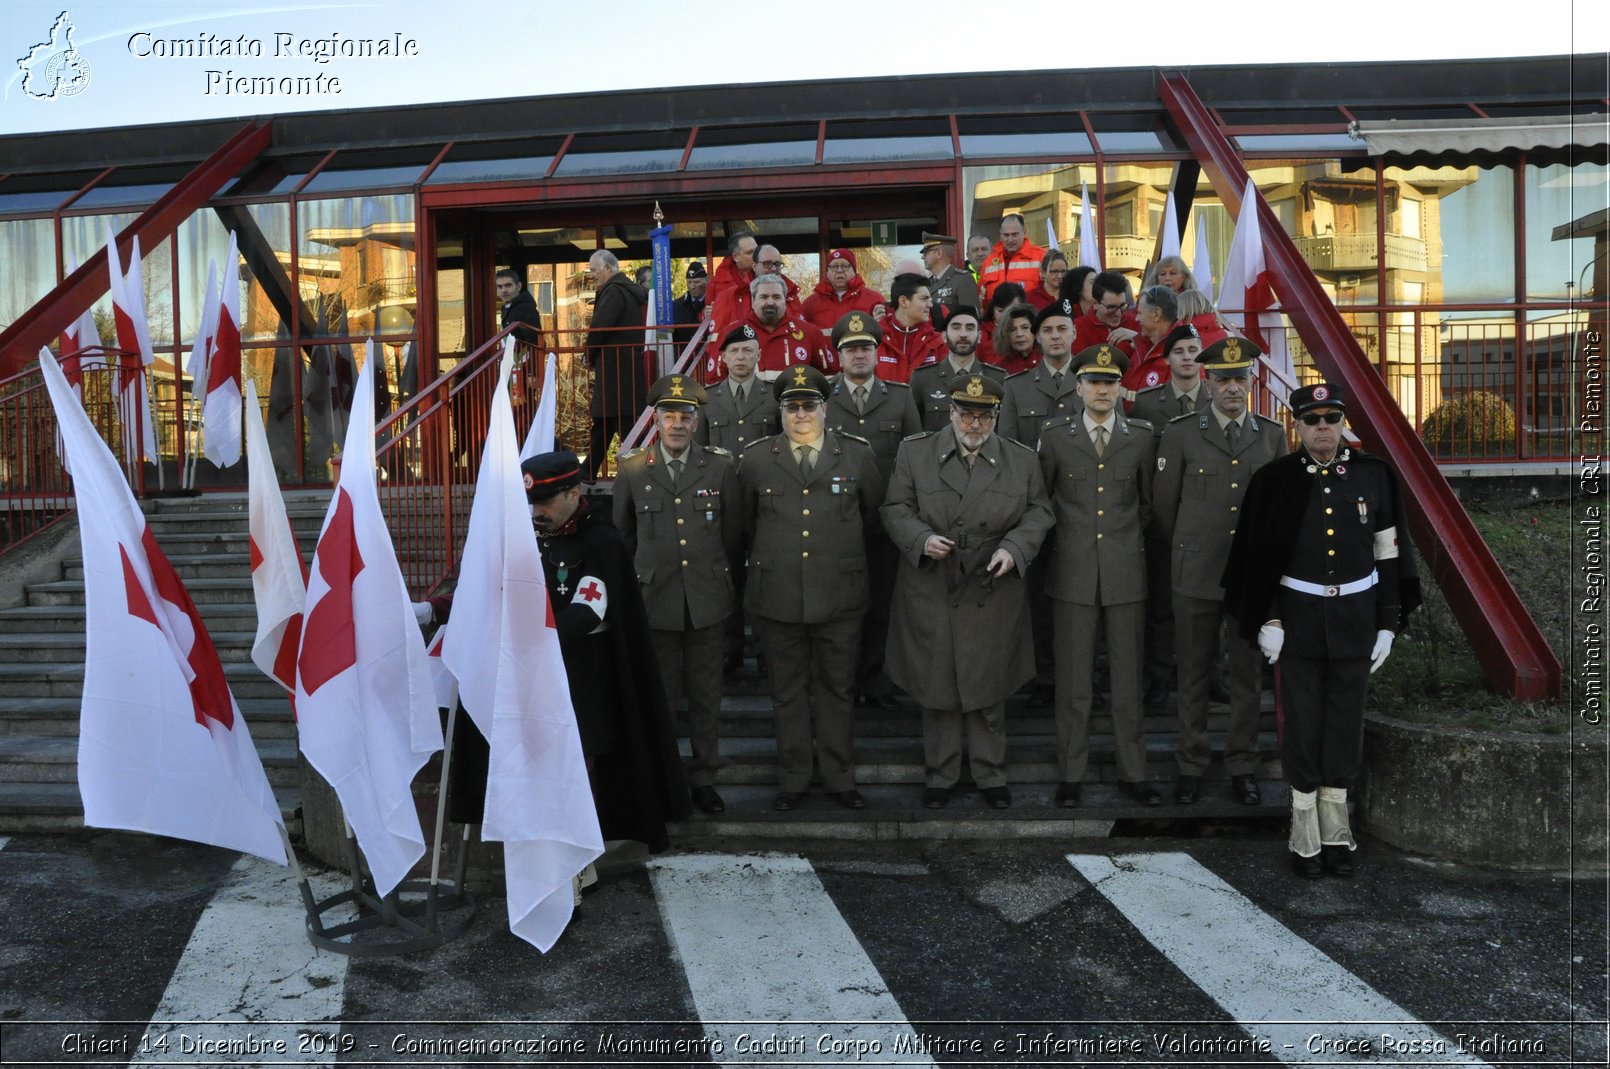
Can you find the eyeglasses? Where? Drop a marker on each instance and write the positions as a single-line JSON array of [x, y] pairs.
[[1119, 307], [971, 416], [1314, 419], [769, 263], [801, 406]]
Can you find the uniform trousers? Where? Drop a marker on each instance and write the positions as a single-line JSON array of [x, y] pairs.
[[811, 668], [1322, 711], [1197, 623], [1076, 629], [1040, 616], [1160, 641], [690, 665], [985, 729], [883, 564]]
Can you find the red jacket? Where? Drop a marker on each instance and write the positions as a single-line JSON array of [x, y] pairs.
[[1039, 296], [1208, 328], [792, 341], [1148, 365], [1014, 363], [904, 351], [825, 308], [1022, 267], [1088, 331], [733, 305], [726, 278]]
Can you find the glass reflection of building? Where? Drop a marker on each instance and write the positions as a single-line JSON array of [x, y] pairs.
[[1460, 271]]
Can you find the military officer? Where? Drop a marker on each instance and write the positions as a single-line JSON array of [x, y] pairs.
[[673, 504], [1205, 462], [1044, 391], [809, 497], [882, 413], [1098, 470], [967, 512], [932, 384], [1322, 576], [950, 285], [1182, 392], [740, 409]]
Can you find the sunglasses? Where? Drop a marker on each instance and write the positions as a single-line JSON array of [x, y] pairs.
[[1314, 419], [801, 406]]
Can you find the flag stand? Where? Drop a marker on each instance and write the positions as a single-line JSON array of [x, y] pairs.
[[411, 923]]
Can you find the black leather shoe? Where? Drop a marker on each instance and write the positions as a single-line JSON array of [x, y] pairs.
[[787, 800], [1309, 868], [1187, 789], [997, 797], [1142, 792], [850, 799], [1244, 789], [1042, 696], [935, 797], [1068, 795], [1338, 861], [706, 800]]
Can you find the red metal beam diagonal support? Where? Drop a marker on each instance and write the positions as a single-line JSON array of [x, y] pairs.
[[1507, 641], [41, 324]]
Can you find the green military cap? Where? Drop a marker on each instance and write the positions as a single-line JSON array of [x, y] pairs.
[[802, 380], [856, 326], [977, 391], [1229, 356], [680, 392], [1101, 361]]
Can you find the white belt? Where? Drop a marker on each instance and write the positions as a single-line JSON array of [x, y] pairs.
[[1319, 590]]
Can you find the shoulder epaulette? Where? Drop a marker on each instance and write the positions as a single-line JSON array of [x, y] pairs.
[[1014, 441], [627, 454], [919, 434], [854, 438], [718, 450], [757, 441], [1177, 419], [1144, 424], [1149, 389], [1020, 374], [1052, 424]]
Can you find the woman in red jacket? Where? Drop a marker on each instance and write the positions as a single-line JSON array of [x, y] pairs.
[[1018, 351], [1005, 296]]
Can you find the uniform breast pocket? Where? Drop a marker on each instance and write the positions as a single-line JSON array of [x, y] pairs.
[[1201, 481], [651, 512], [768, 500]]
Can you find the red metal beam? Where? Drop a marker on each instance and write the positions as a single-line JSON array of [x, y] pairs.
[[1507, 641], [38, 326]]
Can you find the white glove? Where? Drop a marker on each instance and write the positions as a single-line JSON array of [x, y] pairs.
[[1270, 638], [422, 613], [1383, 646]]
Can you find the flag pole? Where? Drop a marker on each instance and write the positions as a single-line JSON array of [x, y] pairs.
[[441, 821]]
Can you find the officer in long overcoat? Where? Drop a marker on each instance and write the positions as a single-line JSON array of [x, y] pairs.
[[967, 512]]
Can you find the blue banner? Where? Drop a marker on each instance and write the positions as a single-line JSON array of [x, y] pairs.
[[660, 237]]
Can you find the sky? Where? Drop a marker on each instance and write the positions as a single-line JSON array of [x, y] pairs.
[[126, 70]]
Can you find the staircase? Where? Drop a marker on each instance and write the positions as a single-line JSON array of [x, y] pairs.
[[42, 673]]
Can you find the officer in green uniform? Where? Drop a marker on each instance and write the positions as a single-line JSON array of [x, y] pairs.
[[932, 384], [967, 512], [809, 496], [1205, 462], [1098, 470], [1045, 391], [673, 503], [882, 413]]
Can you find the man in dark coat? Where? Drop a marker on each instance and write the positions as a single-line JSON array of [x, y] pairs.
[[687, 311], [608, 650], [967, 512], [1322, 577], [519, 307], [615, 355]]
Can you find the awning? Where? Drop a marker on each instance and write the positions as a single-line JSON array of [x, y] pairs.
[[1403, 137]]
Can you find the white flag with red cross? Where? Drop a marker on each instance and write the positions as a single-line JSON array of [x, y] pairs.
[[502, 646], [220, 411], [365, 704], [128, 313], [1247, 286], [162, 747], [279, 576]]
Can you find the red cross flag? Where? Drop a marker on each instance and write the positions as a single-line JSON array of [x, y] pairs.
[[279, 578], [128, 313], [1246, 286], [502, 645], [365, 706], [82, 333], [220, 411], [162, 747]]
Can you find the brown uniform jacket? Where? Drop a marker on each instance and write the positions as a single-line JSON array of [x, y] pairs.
[[1198, 490], [956, 635], [889, 419], [1102, 508], [932, 385], [953, 286], [684, 537], [724, 423], [807, 540], [1031, 400], [1159, 404]]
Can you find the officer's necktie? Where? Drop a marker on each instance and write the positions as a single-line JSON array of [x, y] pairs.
[[1186, 405], [1101, 441], [676, 473], [739, 390], [1056, 382], [1232, 434], [860, 399], [805, 465]]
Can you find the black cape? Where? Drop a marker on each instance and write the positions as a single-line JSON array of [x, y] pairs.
[[638, 782], [1266, 537]]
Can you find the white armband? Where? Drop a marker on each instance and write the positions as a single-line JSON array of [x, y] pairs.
[[1386, 544]]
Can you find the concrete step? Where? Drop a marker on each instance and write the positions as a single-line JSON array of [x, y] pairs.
[[209, 565], [65, 679], [57, 646], [202, 591], [58, 807], [41, 619], [54, 759], [270, 718]]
